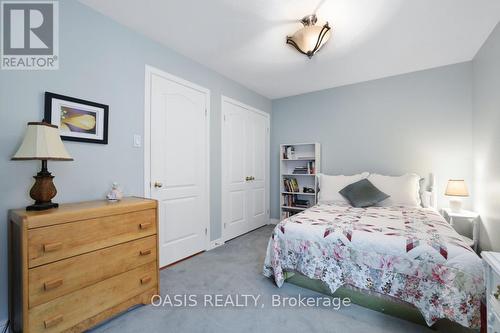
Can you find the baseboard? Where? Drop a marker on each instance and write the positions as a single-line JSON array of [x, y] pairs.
[[274, 221], [215, 243]]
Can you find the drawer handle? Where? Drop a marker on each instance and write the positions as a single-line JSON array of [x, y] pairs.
[[145, 225], [50, 247], [53, 321], [145, 279], [145, 252], [52, 284], [497, 294]]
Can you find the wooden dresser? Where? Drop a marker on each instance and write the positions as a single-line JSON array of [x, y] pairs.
[[74, 266]]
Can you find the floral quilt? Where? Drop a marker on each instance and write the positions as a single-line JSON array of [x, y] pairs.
[[408, 253]]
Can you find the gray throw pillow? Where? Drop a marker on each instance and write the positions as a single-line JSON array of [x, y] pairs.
[[363, 194]]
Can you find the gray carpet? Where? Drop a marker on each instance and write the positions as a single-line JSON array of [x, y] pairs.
[[235, 268]]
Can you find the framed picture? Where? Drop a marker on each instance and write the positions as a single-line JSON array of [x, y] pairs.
[[77, 119]]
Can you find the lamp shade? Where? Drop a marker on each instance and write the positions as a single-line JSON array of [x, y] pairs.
[[456, 188], [42, 142], [311, 37]]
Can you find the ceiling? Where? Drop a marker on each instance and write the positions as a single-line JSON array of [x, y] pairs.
[[245, 39]]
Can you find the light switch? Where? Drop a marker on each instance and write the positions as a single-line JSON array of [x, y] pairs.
[[137, 141]]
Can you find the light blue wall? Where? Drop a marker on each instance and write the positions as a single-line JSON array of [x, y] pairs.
[[418, 122], [101, 61], [486, 120]]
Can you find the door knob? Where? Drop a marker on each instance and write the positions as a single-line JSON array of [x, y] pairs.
[[158, 184], [247, 178], [252, 178]]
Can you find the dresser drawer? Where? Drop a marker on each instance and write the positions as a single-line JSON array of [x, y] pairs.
[[493, 321], [49, 244], [494, 286], [49, 281], [69, 310]]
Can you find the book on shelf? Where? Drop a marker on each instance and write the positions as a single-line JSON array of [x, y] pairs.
[[288, 200], [291, 185], [291, 200], [301, 170], [308, 169], [311, 168]]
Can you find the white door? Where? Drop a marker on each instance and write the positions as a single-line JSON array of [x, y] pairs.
[[245, 169], [258, 144], [179, 168]]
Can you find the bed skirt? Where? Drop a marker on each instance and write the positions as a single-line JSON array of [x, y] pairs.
[[365, 298]]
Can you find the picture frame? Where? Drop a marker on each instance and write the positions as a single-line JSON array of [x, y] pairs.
[[77, 119]]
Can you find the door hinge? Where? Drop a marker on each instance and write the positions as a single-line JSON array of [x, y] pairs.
[[224, 225], [206, 112], [224, 117], [206, 231]]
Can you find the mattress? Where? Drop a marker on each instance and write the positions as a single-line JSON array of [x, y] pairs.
[[408, 253]]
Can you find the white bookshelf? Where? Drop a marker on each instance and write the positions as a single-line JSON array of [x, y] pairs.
[[306, 157]]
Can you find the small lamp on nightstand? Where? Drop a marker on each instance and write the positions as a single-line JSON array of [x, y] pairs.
[[42, 142], [456, 188]]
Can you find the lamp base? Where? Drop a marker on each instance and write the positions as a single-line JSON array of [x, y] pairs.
[[43, 190], [456, 205], [42, 206]]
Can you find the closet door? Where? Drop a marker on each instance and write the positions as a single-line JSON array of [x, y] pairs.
[[235, 163], [245, 169]]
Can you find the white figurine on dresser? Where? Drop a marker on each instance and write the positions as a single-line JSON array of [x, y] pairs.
[[492, 275]]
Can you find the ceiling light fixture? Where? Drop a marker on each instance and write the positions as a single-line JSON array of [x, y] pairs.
[[311, 37]]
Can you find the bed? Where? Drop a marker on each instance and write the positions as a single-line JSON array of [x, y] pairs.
[[409, 254]]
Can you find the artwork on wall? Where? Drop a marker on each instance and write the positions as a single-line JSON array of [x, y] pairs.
[[77, 119]]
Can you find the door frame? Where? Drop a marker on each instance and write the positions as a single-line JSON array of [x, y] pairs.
[[223, 166], [149, 72]]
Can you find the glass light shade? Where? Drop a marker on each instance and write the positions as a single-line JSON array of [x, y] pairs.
[[310, 38], [456, 188], [42, 142]]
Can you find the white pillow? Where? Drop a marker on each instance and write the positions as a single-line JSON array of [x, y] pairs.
[[403, 190], [329, 186]]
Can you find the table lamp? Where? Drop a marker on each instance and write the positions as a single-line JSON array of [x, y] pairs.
[[456, 188], [42, 142]]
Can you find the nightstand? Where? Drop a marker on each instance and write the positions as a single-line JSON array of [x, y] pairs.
[[457, 220]]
